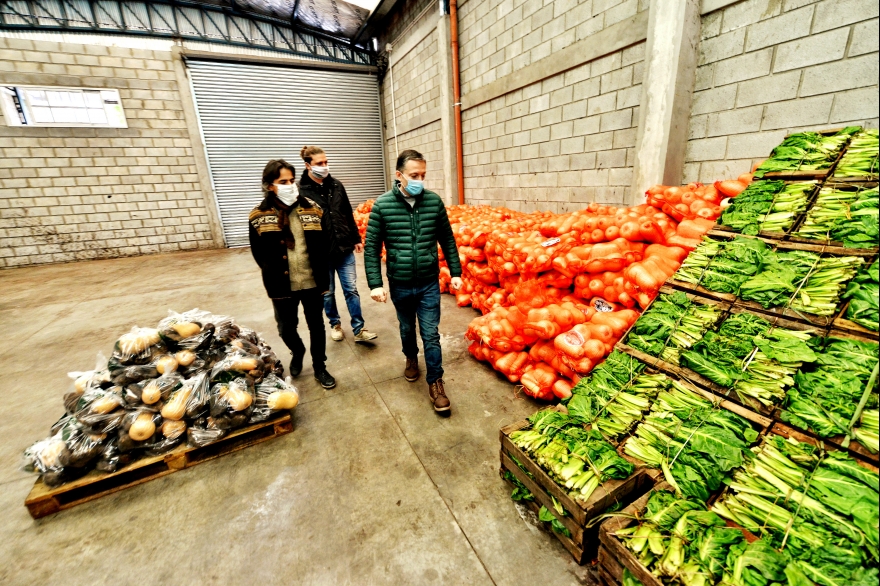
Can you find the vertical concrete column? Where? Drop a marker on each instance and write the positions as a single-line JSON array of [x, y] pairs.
[[447, 123], [198, 147], [670, 69]]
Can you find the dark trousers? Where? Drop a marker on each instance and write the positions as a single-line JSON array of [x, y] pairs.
[[287, 318], [420, 302]]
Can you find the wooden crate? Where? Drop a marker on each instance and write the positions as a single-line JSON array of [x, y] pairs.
[[609, 569], [583, 543], [855, 449], [776, 236], [43, 500], [776, 312], [803, 175], [843, 328], [616, 550], [856, 185]]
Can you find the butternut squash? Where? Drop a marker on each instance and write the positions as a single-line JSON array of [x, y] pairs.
[[282, 400], [143, 427], [186, 329], [166, 364]]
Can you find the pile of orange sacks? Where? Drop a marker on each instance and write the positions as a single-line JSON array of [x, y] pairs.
[[557, 291]]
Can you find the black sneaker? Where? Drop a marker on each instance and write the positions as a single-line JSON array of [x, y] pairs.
[[296, 366], [326, 380]]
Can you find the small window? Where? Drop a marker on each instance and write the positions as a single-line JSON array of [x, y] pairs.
[[61, 106]]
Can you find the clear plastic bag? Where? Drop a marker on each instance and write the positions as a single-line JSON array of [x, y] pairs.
[[234, 365], [273, 395], [112, 459], [123, 375], [153, 392], [189, 400], [83, 381], [44, 457], [137, 346], [203, 431], [232, 403], [100, 409]]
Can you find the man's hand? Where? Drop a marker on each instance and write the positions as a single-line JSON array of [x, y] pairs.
[[359, 248], [378, 295], [456, 283]]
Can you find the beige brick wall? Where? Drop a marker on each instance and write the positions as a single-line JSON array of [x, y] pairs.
[[560, 143], [498, 37], [70, 194], [416, 83], [770, 67], [427, 141]]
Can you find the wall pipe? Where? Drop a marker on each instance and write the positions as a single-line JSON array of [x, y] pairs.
[[456, 97]]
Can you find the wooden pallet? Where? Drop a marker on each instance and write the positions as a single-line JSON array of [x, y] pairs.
[[43, 500], [583, 543]]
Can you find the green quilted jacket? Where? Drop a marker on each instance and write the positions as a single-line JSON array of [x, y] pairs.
[[410, 235]]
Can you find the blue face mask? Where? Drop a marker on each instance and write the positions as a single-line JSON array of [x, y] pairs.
[[414, 186]]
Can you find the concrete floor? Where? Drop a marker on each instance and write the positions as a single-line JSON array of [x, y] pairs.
[[371, 487]]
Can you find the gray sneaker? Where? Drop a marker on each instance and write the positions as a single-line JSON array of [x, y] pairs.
[[336, 333], [365, 336]]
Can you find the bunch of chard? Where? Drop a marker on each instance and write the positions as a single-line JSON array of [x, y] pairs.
[[827, 392], [691, 441], [820, 508], [767, 206], [751, 357], [723, 265], [863, 294], [615, 395], [806, 151], [860, 158], [682, 543], [575, 458], [806, 282], [672, 324], [846, 214]]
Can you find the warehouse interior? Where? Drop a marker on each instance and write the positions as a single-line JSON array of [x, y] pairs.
[[132, 143]]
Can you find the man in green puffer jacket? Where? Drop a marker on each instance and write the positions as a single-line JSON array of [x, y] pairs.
[[410, 221]]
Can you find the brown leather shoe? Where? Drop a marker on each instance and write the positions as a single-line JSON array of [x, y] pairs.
[[438, 397], [411, 372]]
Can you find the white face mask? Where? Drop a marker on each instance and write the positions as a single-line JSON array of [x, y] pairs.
[[320, 172], [287, 194]]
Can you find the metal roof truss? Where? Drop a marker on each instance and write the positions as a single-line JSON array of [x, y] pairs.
[[179, 19]]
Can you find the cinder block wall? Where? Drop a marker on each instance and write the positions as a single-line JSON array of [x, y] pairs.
[[767, 68], [84, 193], [416, 93], [561, 142]]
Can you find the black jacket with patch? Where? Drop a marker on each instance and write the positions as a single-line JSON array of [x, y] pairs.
[[332, 197], [269, 232]]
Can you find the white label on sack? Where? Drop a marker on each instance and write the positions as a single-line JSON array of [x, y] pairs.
[[602, 305], [551, 242]]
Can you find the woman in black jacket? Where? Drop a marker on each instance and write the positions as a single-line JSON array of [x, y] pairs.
[[288, 235]]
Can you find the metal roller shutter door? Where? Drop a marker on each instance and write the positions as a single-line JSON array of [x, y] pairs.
[[250, 114]]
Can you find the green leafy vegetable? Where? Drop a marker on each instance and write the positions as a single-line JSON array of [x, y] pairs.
[[860, 158], [847, 214], [863, 294], [767, 206], [806, 151]]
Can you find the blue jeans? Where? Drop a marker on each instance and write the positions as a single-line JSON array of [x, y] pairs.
[[422, 302], [347, 270]]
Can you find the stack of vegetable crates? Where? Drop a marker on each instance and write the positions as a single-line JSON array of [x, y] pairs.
[[615, 558], [577, 517]]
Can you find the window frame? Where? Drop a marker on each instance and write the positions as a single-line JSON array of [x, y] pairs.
[[17, 102]]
